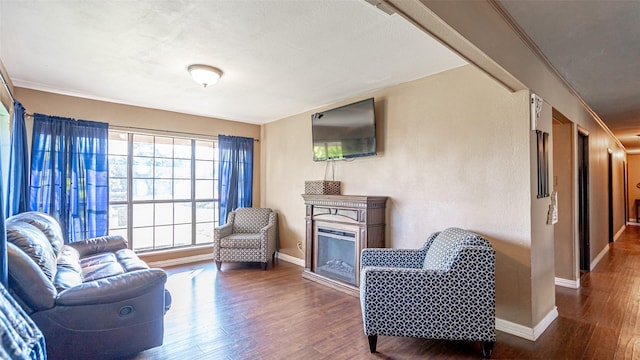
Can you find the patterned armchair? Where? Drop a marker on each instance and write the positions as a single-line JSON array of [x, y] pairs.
[[248, 236], [445, 290]]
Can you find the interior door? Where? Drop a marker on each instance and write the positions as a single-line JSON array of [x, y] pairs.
[[583, 201], [610, 192]]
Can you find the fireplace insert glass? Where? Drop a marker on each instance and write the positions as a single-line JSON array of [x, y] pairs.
[[336, 256]]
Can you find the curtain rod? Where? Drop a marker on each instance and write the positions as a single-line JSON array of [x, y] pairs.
[[6, 86], [119, 127]]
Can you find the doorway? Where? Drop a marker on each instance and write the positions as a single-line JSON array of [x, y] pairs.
[[625, 174], [564, 185], [583, 201], [610, 191]]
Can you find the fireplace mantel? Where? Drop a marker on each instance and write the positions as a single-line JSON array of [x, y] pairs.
[[362, 216]]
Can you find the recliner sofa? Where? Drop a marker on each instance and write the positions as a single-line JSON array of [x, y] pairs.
[[93, 299]]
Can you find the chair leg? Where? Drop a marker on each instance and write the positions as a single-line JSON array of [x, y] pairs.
[[487, 348], [373, 341], [264, 266], [219, 265]]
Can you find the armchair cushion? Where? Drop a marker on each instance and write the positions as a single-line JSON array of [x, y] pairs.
[[241, 240], [445, 247], [250, 220]]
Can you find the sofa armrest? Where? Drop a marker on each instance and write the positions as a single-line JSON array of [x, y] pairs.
[[268, 229], [392, 258], [222, 231], [374, 279], [113, 289], [269, 234], [109, 243]]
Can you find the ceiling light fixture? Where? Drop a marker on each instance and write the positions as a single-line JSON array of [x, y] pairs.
[[204, 74]]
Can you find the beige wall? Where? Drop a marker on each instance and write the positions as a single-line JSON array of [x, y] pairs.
[[564, 239], [542, 249], [133, 116], [481, 24], [455, 153]]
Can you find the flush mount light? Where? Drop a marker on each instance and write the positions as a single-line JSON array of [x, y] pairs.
[[204, 74]]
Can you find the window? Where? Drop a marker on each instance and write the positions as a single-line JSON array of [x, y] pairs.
[[163, 191]]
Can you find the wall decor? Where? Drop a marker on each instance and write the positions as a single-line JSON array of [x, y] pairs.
[[542, 146]]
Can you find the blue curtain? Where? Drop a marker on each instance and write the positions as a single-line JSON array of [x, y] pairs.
[[69, 174], [235, 166], [89, 197], [18, 186]]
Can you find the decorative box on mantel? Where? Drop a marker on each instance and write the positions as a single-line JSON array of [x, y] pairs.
[[322, 187], [338, 227]]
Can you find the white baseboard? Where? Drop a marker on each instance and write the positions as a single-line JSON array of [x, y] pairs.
[[617, 235], [290, 259], [524, 331], [572, 284], [595, 261], [209, 257], [181, 260]]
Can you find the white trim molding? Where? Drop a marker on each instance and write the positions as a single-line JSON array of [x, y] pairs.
[[209, 257], [290, 259], [619, 233], [595, 261], [524, 331], [181, 260], [571, 284]]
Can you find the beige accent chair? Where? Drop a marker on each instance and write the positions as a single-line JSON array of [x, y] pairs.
[[248, 236]]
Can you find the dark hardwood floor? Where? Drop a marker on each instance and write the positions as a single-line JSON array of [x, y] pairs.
[[245, 313]]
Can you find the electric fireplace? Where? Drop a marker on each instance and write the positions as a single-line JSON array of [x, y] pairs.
[[338, 228], [336, 254]]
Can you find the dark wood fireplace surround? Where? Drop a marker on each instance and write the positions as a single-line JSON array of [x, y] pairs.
[[362, 215]]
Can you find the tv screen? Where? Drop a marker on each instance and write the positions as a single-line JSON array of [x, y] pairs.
[[345, 132]]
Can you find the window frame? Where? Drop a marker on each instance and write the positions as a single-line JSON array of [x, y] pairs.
[[130, 202]]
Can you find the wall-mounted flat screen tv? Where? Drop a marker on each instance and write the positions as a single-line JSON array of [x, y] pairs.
[[345, 132]]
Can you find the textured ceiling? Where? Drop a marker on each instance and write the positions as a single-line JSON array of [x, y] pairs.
[[282, 58], [279, 58], [595, 47]]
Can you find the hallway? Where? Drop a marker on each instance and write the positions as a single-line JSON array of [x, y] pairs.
[[598, 321]]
